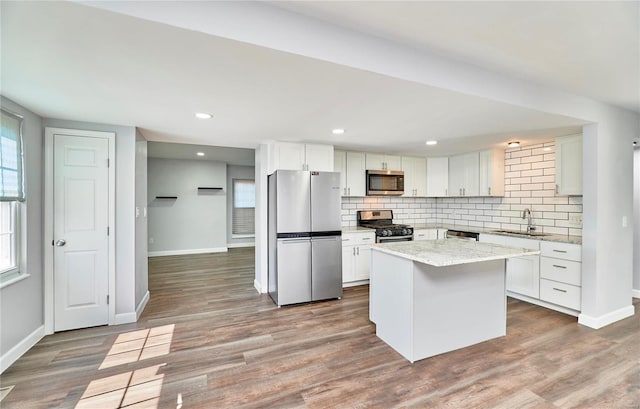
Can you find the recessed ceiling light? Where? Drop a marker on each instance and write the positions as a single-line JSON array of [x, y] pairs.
[[431, 143], [513, 144], [203, 115], [200, 153], [338, 131]]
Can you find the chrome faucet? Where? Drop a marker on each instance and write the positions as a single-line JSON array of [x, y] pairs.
[[527, 213]]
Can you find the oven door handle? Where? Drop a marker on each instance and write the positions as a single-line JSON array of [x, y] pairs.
[[389, 239]]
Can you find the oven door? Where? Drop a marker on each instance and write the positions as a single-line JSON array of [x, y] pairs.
[[391, 239]]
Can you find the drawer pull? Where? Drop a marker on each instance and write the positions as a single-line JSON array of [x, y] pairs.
[[366, 238], [559, 251], [559, 289], [557, 266]]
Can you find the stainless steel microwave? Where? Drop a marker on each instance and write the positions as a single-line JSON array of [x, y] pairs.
[[385, 182]]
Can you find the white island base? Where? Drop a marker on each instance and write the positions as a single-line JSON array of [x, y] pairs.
[[422, 310]]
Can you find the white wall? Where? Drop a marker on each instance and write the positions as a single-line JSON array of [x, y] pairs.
[[142, 269], [636, 222], [608, 161], [195, 222], [21, 303], [125, 211], [237, 172]]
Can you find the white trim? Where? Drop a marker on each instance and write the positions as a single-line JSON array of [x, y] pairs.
[[14, 280], [49, 305], [184, 252], [355, 283], [635, 293], [257, 286], [21, 348], [542, 303], [237, 245], [143, 303], [606, 319], [124, 318]]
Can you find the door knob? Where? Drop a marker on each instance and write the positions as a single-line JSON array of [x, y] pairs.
[[60, 242]]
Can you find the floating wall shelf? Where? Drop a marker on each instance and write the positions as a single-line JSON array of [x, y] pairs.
[[209, 188], [166, 197]]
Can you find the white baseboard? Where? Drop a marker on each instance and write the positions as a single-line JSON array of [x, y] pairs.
[[237, 245], [635, 293], [21, 348], [258, 287], [143, 303], [606, 319], [125, 318], [188, 251], [544, 304], [355, 283]]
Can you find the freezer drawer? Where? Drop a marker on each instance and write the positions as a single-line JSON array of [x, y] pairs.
[[293, 280], [326, 261]]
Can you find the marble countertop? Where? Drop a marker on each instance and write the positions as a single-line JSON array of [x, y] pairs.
[[357, 229], [440, 253], [551, 237]]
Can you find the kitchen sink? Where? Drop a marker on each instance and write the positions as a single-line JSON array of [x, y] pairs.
[[522, 233]]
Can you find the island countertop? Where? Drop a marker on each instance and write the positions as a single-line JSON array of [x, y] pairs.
[[440, 253]]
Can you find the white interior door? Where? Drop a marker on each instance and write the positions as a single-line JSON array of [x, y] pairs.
[[80, 235]]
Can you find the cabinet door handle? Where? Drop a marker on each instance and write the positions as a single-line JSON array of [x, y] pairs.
[[354, 251], [358, 250], [559, 251], [349, 191], [557, 266], [489, 191], [557, 189], [366, 238], [464, 191], [344, 193], [559, 289], [446, 192]]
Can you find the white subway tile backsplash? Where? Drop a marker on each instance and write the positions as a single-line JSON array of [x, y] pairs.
[[529, 183]]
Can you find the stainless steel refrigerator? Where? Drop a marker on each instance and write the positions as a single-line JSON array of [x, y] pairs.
[[305, 243]]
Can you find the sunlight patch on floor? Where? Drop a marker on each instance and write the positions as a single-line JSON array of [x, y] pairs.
[[138, 345], [139, 388], [4, 391]]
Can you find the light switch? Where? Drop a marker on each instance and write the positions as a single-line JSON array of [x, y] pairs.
[[625, 221], [137, 212]]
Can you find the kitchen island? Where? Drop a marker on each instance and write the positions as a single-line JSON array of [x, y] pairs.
[[431, 297]]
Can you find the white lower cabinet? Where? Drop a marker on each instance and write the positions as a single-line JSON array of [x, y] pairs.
[[561, 274], [554, 277], [523, 273], [356, 255], [425, 234]]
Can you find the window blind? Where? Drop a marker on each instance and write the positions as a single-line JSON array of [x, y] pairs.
[[244, 203], [11, 186]]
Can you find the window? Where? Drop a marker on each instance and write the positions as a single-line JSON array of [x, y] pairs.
[[11, 193], [244, 205]]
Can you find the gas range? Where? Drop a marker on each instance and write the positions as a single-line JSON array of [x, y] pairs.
[[382, 222]]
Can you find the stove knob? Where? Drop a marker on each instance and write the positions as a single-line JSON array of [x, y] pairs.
[[410, 230], [387, 232], [405, 232], [383, 232]]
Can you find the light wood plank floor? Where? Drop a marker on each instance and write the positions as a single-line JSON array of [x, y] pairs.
[[208, 340]]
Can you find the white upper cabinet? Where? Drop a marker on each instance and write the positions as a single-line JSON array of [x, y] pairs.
[[463, 174], [351, 166], [299, 156], [569, 165], [319, 157], [380, 161], [491, 178], [415, 176], [437, 177]]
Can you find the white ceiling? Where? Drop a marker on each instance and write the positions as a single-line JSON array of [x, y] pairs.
[[231, 156], [590, 48], [70, 61]]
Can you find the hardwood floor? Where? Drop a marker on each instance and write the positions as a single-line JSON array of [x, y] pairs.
[[208, 340]]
